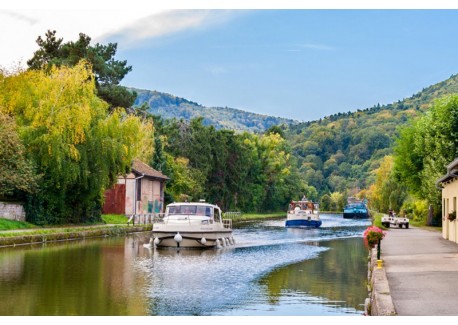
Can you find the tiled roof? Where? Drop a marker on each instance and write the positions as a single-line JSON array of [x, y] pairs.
[[142, 168], [452, 173]]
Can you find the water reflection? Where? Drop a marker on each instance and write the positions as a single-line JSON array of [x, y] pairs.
[[73, 278], [270, 271]]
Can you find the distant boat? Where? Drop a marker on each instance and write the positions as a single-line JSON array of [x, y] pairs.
[[356, 209], [303, 213]]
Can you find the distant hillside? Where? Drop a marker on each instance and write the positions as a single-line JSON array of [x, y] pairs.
[[341, 151], [168, 106]]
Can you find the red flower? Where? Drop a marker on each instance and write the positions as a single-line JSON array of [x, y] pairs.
[[373, 235]]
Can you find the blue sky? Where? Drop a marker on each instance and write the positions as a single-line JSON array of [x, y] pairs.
[[297, 63], [301, 64]]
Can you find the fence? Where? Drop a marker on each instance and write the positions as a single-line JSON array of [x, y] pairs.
[[150, 218], [232, 215], [141, 219]]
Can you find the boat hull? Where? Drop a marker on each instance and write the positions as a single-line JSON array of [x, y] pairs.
[[303, 223], [356, 215], [188, 239]]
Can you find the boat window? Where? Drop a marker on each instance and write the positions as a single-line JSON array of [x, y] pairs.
[[204, 211], [191, 210]]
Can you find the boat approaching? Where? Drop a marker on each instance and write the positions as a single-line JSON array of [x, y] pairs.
[[192, 225], [356, 209], [303, 213]]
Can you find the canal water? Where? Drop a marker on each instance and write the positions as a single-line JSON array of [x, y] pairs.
[[271, 270]]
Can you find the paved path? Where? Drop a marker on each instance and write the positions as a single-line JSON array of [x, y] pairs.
[[422, 272]]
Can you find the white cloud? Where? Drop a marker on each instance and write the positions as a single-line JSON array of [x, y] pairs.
[[168, 22], [21, 28], [321, 47]]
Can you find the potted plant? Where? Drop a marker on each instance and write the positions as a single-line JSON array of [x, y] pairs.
[[374, 236], [452, 216]]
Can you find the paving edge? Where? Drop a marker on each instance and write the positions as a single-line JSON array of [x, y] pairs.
[[64, 236], [379, 302]]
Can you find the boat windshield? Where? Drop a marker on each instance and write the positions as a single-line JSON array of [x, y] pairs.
[[198, 210]]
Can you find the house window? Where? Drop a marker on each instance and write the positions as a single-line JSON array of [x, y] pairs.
[[139, 190], [443, 208], [454, 203]]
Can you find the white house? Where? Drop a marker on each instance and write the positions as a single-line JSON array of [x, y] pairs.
[[449, 185]]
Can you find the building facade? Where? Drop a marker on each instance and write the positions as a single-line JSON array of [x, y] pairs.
[[139, 192], [449, 185]]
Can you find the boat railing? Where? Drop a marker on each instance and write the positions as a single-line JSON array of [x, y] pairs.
[[232, 214], [145, 218], [158, 218], [227, 223]]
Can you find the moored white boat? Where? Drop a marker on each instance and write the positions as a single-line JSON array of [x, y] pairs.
[[303, 213], [192, 225]]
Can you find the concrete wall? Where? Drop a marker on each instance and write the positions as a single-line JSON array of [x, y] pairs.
[[449, 204], [379, 302], [151, 200], [12, 211]]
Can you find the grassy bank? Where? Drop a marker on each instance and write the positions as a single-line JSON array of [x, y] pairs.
[[62, 234], [6, 224], [259, 216]]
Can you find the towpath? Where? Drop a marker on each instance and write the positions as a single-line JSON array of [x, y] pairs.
[[422, 272]]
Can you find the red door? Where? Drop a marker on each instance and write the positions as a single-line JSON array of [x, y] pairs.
[[115, 200]]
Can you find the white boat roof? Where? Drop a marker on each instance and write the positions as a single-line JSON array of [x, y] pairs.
[[193, 203]]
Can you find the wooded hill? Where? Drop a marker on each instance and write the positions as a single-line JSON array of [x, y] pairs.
[[168, 106], [340, 152], [335, 154]]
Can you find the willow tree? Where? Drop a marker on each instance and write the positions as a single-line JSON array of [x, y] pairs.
[[75, 144]]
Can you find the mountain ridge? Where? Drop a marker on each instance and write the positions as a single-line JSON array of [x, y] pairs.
[[170, 106]]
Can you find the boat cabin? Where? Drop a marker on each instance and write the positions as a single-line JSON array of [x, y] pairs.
[[303, 205], [194, 209]]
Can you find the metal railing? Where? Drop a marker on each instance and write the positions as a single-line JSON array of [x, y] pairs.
[[232, 215], [227, 223], [142, 219]]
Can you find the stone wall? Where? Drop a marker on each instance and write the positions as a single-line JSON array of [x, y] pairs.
[[12, 211]]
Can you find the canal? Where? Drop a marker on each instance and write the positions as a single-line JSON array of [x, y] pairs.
[[271, 270]]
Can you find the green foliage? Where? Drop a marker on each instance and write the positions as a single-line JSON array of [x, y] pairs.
[[17, 175], [108, 71], [415, 209], [6, 224], [387, 192], [340, 152], [77, 147], [236, 171], [114, 219], [426, 147]]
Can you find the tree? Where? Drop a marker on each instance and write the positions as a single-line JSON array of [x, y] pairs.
[[108, 71], [17, 175], [425, 148], [74, 143]]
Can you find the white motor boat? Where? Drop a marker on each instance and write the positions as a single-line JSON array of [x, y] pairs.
[[192, 225], [303, 213]]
